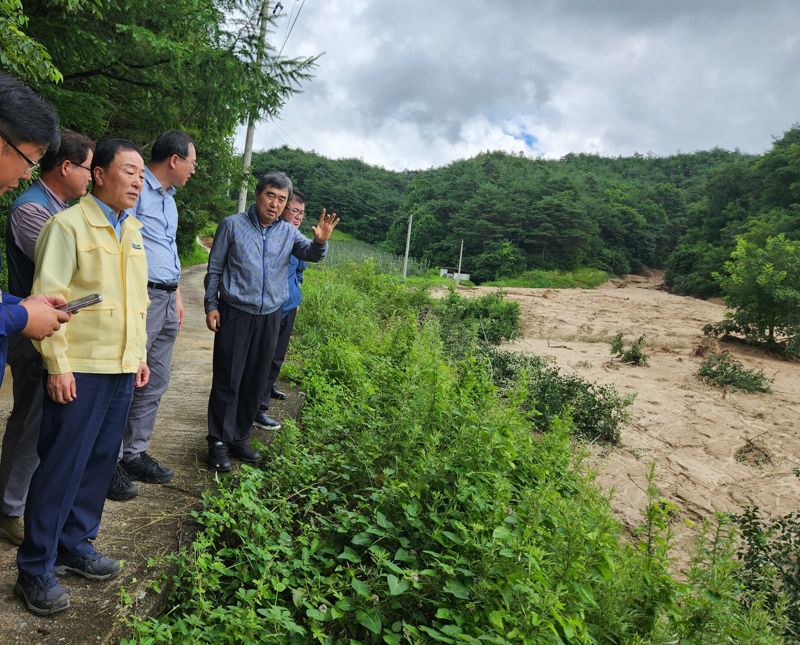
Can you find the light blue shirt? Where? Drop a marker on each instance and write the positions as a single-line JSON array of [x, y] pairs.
[[113, 218], [158, 213]]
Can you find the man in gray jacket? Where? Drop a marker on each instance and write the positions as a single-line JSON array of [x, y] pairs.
[[246, 287]]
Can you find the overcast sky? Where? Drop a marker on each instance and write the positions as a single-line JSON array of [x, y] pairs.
[[417, 84]]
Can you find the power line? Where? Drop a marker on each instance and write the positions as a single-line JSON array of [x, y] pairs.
[[285, 40]]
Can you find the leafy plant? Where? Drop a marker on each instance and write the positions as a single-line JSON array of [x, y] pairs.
[[634, 355], [761, 284], [771, 571], [598, 412], [725, 371], [414, 505]]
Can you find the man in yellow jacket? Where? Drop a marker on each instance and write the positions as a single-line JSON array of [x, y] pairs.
[[93, 364]]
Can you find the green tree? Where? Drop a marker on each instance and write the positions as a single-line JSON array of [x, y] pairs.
[[762, 286], [134, 69]]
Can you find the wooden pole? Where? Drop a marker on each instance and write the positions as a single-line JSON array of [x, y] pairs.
[[408, 247], [251, 121]]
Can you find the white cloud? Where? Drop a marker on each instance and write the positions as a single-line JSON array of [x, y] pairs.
[[419, 84]]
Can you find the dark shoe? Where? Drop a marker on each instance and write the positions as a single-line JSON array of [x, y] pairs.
[[266, 422], [121, 488], [146, 469], [93, 567], [41, 594], [218, 457], [12, 529], [242, 451], [277, 394]]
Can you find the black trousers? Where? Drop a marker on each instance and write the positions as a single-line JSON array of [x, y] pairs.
[[281, 347], [241, 346]]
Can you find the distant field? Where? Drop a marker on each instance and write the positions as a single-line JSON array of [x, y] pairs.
[[539, 279]]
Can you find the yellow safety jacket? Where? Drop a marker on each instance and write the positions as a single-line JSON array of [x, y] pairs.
[[77, 254]]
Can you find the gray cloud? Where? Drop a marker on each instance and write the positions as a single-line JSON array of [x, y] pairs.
[[417, 84]]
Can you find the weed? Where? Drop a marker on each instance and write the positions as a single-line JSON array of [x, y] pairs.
[[414, 506], [725, 371], [634, 355]]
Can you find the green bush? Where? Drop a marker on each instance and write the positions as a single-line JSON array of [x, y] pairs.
[[725, 371], [634, 355], [491, 319], [768, 552], [598, 412], [413, 506]]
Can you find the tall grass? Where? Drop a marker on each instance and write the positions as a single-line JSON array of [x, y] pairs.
[[540, 279], [348, 251], [416, 505]]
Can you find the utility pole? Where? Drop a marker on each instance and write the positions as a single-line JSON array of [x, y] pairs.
[[408, 246], [460, 255], [251, 121]]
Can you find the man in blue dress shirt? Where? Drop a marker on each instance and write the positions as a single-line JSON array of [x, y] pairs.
[[173, 161], [246, 287]]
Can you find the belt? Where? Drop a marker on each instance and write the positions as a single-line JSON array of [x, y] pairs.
[[162, 286]]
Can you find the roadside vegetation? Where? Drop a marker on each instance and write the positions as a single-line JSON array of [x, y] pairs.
[[419, 502], [539, 279]]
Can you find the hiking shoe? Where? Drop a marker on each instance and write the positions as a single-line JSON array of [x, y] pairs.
[[266, 422], [218, 457], [41, 594], [146, 469], [277, 394], [121, 488], [93, 566], [242, 451], [12, 529]]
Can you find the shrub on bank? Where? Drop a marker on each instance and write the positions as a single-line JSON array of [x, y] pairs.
[[415, 505]]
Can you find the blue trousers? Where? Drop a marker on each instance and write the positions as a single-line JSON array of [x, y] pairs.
[[78, 447]]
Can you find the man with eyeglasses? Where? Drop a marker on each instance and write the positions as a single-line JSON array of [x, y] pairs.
[[65, 175], [28, 126], [294, 214], [173, 160], [245, 291]]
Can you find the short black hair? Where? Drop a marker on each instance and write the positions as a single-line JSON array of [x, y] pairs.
[[299, 197], [25, 117], [274, 179], [171, 142], [106, 150], [74, 147]]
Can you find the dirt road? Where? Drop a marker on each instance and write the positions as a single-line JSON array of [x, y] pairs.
[[713, 450]]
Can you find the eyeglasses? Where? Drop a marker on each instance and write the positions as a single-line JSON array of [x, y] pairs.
[[79, 165], [32, 165], [297, 211], [194, 163]]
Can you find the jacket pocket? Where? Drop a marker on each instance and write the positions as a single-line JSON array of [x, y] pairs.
[[95, 333]]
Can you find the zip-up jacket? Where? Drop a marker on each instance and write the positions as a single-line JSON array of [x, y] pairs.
[[78, 254], [248, 264]]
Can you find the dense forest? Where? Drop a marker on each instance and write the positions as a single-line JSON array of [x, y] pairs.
[[682, 212]]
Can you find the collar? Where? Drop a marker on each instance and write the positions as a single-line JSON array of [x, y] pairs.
[[58, 202], [152, 181], [96, 210], [256, 221]]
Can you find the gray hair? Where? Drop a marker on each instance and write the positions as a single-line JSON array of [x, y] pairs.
[[274, 179]]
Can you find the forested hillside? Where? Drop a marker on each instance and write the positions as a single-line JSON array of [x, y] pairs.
[[516, 213]]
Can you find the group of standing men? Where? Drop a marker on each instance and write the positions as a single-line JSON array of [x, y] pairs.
[[87, 386]]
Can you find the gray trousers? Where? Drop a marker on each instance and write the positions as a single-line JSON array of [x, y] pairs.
[[19, 459], [162, 330]]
